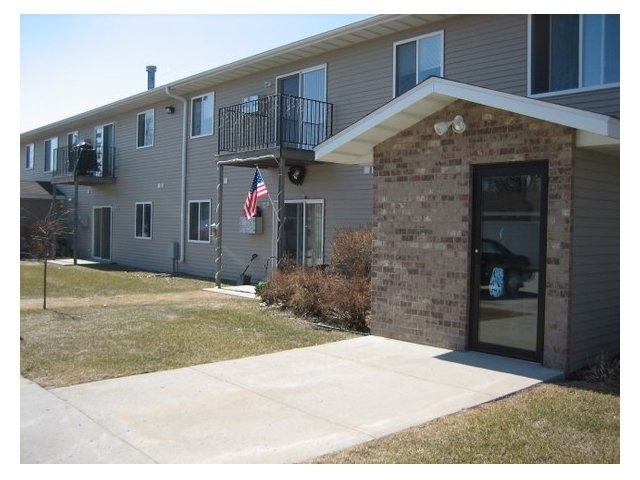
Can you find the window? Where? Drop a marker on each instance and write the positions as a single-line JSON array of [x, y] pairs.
[[199, 221], [28, 155], [72, 139], [145, 129], [202, 115], [574, 51], [50, 147], [143, 220], [417, 59], [251, 104]]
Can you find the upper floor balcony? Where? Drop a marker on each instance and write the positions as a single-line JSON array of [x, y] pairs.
[[90, 165], [271, 122]]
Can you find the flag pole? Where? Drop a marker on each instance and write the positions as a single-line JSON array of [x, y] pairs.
[[269, 195], [276, 232]]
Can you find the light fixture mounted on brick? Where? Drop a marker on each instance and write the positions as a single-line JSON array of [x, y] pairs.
[[457, 125]]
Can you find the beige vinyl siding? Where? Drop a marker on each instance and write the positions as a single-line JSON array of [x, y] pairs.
[[488, 51], [599, 100], [237, 247], [201, 184], [142, 175], [148, 175], [595, 306], [360, 81], [347, 193]]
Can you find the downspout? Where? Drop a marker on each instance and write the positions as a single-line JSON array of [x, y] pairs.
[[185, 126]]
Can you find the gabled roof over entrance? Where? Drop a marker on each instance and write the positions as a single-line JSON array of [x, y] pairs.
[[354, 144]]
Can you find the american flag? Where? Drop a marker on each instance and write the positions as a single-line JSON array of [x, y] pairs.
[[258, 190]]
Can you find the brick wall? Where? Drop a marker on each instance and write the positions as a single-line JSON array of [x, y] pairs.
[[422, 229]]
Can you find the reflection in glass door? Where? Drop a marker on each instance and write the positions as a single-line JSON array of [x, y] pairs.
[[508, 252]]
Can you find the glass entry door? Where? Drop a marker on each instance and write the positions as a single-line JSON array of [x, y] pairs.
[[508, 259], [304, 232], [104, 150], [303, 117], [102, 233]]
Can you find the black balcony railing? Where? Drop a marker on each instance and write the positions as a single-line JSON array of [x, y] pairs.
[[274, 121], [90, 162]]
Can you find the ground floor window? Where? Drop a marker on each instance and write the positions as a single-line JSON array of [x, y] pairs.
[[143, 220], [304, 232], [199, 220]]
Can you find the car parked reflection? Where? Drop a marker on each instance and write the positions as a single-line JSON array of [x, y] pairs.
[[516, 269]]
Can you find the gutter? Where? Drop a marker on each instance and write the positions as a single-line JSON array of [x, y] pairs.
[[183, 186]]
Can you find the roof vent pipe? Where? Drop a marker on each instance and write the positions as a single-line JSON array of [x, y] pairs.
[[151, 77]]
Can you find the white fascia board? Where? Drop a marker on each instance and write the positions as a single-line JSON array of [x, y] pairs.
[[387, 120], [571, 117], [436, 93]]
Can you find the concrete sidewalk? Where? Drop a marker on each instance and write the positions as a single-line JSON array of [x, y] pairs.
[[285, 407]]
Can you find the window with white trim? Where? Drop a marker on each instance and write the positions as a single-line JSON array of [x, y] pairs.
[[50, 147], [202, 115], [573, 52], [416, 60], [143, 220], [251, 104], [145, 129], [28, 156], [199, 220]]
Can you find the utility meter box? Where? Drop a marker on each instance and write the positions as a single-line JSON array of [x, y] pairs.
[[174, 250], [252, 226]]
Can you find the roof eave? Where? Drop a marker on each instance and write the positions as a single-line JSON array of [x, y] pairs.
[[378, 25], [354, 145]]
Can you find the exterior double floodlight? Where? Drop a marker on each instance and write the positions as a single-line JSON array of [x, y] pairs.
[[457, 125]]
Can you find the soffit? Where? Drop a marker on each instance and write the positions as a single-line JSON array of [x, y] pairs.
[[34, 190], [354, 145]]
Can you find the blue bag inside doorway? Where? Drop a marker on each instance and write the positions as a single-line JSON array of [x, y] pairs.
[[496, 283]]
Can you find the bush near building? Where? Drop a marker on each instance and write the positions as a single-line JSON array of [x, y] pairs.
[[337, 294]]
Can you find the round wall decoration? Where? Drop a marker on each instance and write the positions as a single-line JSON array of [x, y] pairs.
[[297, 174]]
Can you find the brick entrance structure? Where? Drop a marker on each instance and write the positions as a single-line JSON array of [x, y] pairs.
[[422, 224]]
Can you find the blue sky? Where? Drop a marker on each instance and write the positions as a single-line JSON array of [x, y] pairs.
[[76, 55], [71, 63]]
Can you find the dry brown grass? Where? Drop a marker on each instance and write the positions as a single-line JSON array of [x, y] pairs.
[[135, 330], [558, 423]]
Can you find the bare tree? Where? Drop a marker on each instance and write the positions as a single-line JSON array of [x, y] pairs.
[[43, 234]]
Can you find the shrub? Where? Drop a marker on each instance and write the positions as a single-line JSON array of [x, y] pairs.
[[605, 369], [338, 295], [349, 303], [351, 253]]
